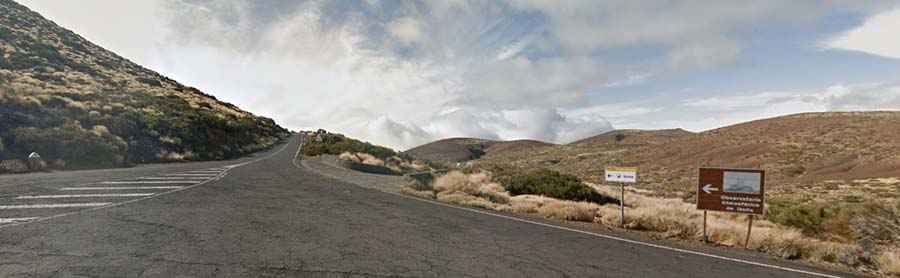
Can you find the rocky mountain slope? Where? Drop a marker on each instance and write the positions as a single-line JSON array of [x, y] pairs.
[[463, 149], [81, 106], [633, 137], [798, 150]]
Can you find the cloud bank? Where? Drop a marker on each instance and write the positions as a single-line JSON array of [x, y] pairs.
[[402, 73], [875, 36], [698, 114]]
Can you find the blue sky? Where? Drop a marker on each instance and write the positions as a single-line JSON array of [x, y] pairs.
[[402, 73]]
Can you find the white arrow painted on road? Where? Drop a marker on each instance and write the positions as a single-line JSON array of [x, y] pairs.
[[709, 187]]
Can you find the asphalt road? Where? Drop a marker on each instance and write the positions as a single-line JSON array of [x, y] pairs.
[[271, 218]]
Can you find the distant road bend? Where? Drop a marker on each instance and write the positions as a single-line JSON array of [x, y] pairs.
[[262, 216]]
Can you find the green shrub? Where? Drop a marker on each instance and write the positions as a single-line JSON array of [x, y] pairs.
[[337, 144], [841, 221], [81, 148], [806, 216], [552, 184], [136, 121]]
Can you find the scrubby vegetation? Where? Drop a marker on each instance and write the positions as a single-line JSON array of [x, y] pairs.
[[551, 184], [84, 107], [678, 219], [396, 163], [847, 221], [481, 190], [336, 144]]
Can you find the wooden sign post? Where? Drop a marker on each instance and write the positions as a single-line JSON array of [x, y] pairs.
[[731, 190]]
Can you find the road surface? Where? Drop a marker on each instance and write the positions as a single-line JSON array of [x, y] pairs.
[[263, 216]]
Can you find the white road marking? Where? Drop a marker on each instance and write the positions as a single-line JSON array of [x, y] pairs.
[[149, 182], [647, 244], [120, 188], [173, 178], [204, 172], [15, 220], [192, 175], [176, 189], [84, 196], [42, 206]]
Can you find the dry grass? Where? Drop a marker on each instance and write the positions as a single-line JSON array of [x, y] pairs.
[[415, 165], [395, 163], [100, 130], [479, 191], [670, 218], [455, 186], [569, 210], [167, 156], [889, 262], [348, 157], [363, 158]]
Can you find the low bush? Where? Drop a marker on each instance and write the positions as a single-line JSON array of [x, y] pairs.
[[569, 210], [457, 186], [478, 190], [135, 118], [82, 148], [13, 166], [844, 222], [809, 217], [553, 184], [336, 144], [363, 158], [668, 217]]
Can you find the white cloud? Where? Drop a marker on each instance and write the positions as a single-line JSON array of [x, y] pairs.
[[129, 28], [711, 112], [420, 71], [306, 71], [401, 73], [878, 35], [704, 54], [406, 29]]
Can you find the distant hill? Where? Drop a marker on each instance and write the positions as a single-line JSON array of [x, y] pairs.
[[634, 137], [83, 106], [800, 149], [464, 149]]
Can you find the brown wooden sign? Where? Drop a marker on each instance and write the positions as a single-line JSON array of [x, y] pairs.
[[731, 190]]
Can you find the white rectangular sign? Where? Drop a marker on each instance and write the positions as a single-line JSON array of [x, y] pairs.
[[621, 174]]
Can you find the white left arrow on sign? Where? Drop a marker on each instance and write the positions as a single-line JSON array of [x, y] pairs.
[[708, 188]]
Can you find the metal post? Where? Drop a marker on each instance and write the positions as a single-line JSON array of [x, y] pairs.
[[622, 206], [705, 235], [749, 227]]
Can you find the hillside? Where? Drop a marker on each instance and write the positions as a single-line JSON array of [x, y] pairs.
[[798, 150], [464, 149], [634, 137], [81, 106]]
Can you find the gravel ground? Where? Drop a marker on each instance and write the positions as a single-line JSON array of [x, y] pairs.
[[329, 165]]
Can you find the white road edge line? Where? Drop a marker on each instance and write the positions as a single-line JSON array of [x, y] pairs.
[[191, 175], [111, 205], [120, 188], [150, 182], [83, 196], [647, 244], [173, 178], [15, 220], [44, 206]]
